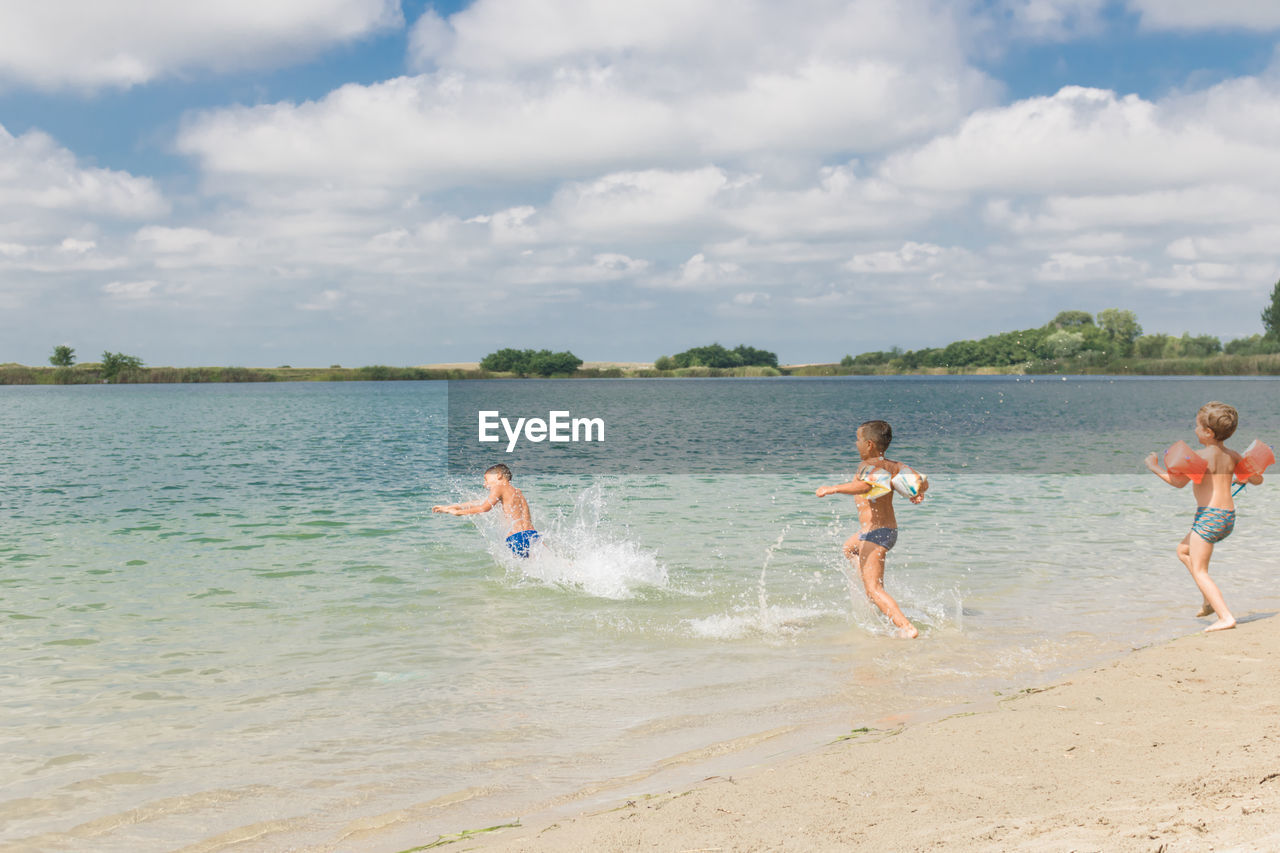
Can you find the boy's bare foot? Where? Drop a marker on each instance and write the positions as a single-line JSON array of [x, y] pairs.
[[908, 632], [1206, 609], [1221, 625]]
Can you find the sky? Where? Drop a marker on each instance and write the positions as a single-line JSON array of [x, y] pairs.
[[316, 182]]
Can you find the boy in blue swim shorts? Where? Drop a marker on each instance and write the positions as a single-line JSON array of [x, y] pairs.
[[498, 481], [878, 527], [1215, 507]]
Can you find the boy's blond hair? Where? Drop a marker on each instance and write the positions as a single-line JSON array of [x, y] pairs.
[[504, 473], [1220, 418]]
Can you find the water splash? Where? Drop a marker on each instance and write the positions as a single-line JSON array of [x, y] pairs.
[[760, 619], [580, 551]]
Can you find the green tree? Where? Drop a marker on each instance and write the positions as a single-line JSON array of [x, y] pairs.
[[753, 357], [1073, 319], [63, 356], [506, 361], [548, 363], [1252, 345], [715, 355], [1121, 328], [116, 363], [1151, 346], [664, 362], [847, 361], [712, 355], [529, 362], [1271, 314], [1198, 346], [1062, 344]]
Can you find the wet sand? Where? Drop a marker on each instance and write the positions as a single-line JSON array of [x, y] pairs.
[[1172, 748]]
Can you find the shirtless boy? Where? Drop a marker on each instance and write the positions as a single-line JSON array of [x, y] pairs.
[[498, 481], [878, 526], [1215, 507]]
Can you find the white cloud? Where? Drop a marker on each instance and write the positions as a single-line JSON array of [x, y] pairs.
[[1213, 277], [40, 179], [327, 300], [655, 201], [88, 44], [72, 246], [1221, 204], [1093, 140], [1070, 266], [1054, 19], [1261, 15], [910, 258], [570, 89], [840, 201], [130, 289], [1261, 239], [170, 248], [699, 272], [435, 131], [706, 39]]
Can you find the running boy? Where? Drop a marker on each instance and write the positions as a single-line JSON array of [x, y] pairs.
[[498, 481], [1215, 508], [878, 526]]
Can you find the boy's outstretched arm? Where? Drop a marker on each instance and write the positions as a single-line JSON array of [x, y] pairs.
[[1175, 480], [470, 507], [856, 487]]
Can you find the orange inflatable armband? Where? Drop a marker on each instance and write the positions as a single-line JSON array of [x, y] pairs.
[[1181, 459], [1255, 459]]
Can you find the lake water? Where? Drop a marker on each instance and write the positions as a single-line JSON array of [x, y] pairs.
[[231, 621]]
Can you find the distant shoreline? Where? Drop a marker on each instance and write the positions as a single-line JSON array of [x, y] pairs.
[[92, 374]]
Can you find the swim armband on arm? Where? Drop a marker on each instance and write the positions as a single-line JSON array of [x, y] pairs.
[[906, 482], [880, 481], [1255, 459], [1181, 459]]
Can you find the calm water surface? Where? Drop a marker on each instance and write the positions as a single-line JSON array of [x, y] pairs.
[[231, 621]]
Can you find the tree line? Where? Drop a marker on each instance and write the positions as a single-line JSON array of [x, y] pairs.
[[1082, 337]]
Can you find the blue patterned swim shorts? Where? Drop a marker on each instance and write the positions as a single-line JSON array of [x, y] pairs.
[[1212, 524], [521, 542]]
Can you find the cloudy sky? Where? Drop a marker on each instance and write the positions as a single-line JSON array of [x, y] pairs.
[[308, 182]]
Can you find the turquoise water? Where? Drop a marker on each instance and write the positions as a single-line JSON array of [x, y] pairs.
[[232, 622]]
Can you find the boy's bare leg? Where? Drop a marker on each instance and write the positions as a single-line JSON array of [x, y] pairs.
[[1198, 552], [851, 554], [1184, 554], [871, 567]]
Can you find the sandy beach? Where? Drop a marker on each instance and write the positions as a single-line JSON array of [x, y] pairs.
[[1174, 747]]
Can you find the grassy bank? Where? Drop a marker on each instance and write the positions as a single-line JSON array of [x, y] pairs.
[[92, 374]]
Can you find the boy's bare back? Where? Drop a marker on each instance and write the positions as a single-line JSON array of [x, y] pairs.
[[514, 505], [1215, 488]]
